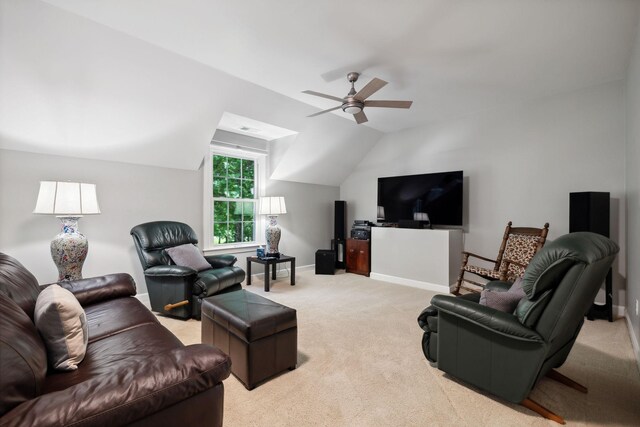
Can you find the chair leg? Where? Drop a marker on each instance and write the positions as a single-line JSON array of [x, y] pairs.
[[536, 407], [456, 290], [465, 259], [557, 376]]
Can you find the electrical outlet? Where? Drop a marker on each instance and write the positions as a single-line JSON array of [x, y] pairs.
[[636, 307]]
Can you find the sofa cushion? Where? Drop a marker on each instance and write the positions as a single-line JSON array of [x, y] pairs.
[[140, 388], [163, 234], [111, 354], [548, 267], [23, 359], [117, 315], [102, 288], [18, 284], [152, 238], [62, 323], [188, 256]]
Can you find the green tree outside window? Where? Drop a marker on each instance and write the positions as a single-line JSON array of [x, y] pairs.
[[234, 201]]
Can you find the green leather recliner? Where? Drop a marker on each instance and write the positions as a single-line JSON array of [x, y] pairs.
[[507, 353], [176, 290]]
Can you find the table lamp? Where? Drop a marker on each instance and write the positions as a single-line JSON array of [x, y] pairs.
[[272, 207], [69, 201]]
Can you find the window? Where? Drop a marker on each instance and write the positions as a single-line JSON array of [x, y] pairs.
[[234, 198]]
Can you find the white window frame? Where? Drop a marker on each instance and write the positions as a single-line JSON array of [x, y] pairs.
[[260, 179]]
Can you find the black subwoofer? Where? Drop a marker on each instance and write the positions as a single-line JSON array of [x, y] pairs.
[[325, 261]]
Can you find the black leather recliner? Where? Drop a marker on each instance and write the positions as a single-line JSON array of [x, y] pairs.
[[506, 354], [169, 284]]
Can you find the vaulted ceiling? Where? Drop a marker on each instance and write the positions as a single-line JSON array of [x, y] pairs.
[[147, 82]]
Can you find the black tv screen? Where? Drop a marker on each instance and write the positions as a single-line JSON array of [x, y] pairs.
[[406, 197]]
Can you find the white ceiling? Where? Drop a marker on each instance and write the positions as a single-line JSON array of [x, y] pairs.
[[451, 57], [147, 82], [72, 87], [253, 128]]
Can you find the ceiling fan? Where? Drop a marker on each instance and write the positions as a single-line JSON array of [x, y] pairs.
[[355, 102]]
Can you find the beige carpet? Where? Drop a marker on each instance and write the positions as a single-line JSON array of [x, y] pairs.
[[360, 364]]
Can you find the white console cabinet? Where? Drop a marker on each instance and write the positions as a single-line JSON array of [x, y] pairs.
[[427, 259]]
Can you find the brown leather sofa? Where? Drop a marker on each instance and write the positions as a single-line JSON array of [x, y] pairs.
[[135, 371]]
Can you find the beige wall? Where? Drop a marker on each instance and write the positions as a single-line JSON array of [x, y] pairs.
[[129, 195], [520, 164], [633, 192]]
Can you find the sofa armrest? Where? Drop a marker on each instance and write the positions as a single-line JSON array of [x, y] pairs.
[[169, 270], [142, 388], [488, 318], [219, 261], [102, 288]]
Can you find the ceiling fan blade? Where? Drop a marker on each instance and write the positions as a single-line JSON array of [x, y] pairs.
[[388, 104], [323, 95], [325, 111], [360, 117], [370, 88]]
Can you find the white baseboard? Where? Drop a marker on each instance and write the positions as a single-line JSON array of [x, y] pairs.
[[144, 298], [410, 282], [634, 340]]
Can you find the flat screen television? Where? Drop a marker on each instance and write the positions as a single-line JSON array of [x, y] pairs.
[[407, 197]]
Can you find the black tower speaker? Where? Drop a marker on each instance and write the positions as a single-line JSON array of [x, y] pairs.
[[340, 232], [340, 220], [589, 211]]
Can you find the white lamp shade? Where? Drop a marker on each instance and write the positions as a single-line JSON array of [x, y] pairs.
[[380, 212], [272, 206], [67, 198]]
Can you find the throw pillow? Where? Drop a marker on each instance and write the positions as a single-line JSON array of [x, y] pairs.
[[506, 301], [516, 288], [188, 256], [62, 323]]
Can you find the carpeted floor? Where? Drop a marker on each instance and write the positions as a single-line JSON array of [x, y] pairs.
[[360, 364]]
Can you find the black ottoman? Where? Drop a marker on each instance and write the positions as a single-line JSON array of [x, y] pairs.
[[260, 336]]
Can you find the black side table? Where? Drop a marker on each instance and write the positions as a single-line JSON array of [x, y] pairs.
[[271, 263]]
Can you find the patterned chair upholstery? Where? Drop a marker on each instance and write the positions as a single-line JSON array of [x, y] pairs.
[[519, 245]]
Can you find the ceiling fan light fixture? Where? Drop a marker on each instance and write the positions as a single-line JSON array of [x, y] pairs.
[[352, 106], [355, 102], [352, 109]]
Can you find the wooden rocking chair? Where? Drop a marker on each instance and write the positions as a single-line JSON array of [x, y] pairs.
[[519, 245]]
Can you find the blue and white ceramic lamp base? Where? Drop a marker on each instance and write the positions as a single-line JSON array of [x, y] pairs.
[[272, 234], [69, 250]]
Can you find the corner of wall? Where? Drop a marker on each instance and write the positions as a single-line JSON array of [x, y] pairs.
[[634, 341]]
